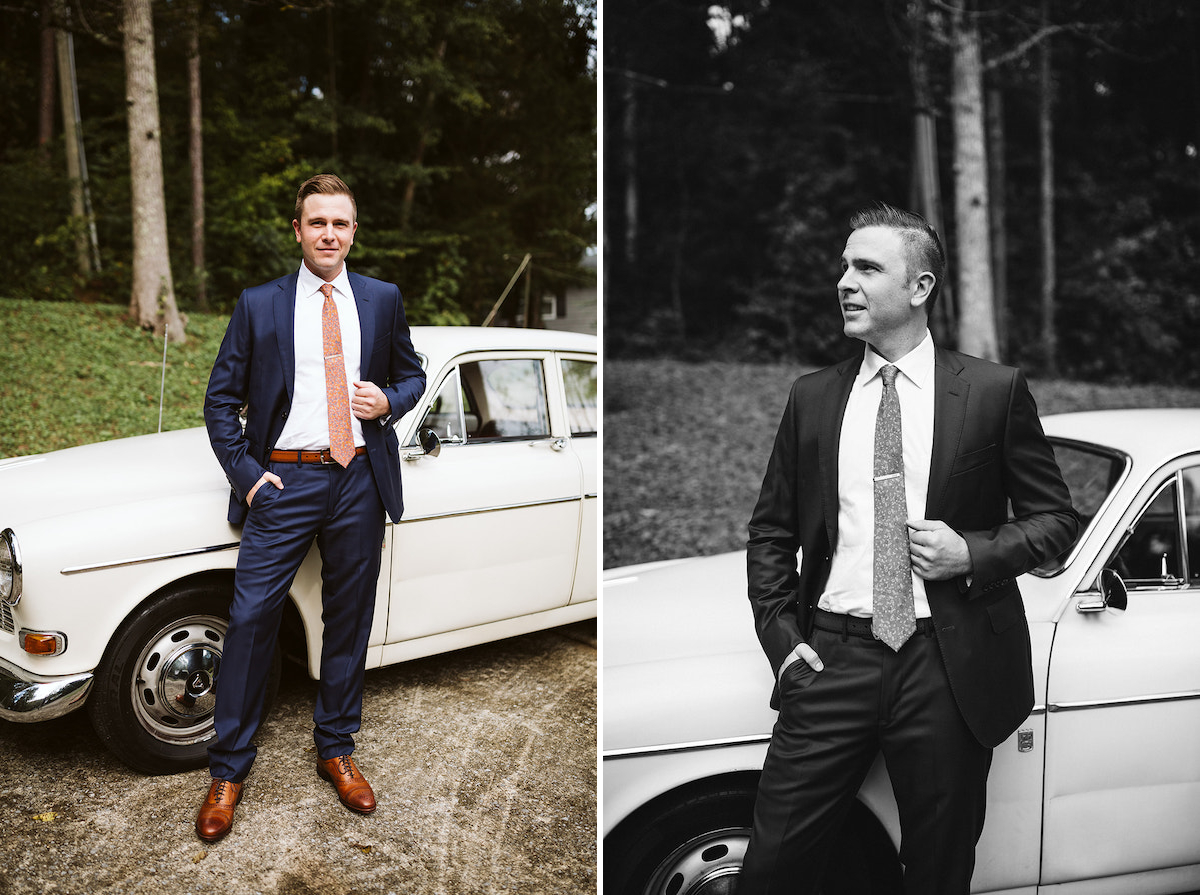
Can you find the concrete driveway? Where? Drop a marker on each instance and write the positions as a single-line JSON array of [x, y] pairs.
[[483, 762]]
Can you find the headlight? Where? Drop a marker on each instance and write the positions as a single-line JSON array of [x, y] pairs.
[[10, 568]]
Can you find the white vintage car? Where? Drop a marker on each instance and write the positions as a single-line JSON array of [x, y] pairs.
[[116, 560], [1099, 789]]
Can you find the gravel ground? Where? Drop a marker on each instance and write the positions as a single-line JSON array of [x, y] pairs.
[[483, 762]]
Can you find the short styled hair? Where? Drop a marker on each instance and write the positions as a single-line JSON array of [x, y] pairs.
[[326, 185], [921, 241]]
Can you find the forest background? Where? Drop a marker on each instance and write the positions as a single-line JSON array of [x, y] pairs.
[[467, 130], [740, 137], [1054, 143]]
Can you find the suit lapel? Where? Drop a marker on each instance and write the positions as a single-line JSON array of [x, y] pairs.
[[285, 330], [366, 321], [951, 392], [828, 440]]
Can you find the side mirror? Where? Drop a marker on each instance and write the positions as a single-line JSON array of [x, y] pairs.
[[430, 444], [1113, 594], [1113, 590]]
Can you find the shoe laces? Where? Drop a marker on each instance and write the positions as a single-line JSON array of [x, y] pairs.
[[345, 765], [219, 795]]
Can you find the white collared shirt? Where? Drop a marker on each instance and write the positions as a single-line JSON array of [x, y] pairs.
[[849, 589], [307, 426]]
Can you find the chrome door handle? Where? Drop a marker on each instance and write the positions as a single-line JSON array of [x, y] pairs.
[[555, 444]]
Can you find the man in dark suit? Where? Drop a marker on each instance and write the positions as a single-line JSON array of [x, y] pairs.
[[323, 363], [902, 630]]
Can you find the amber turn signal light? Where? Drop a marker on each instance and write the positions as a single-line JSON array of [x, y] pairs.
[[42, 644]]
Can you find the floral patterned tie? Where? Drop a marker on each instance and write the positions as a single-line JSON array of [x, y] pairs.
[[341, 438], [895, 616]]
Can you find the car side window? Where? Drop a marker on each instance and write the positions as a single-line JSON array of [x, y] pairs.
[[505, 399], [579, 381], [1091, 473], [1162, 549], [445, 414], [1191, 517], [1150, 556]]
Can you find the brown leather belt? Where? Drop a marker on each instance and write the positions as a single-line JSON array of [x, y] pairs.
[[322, 457]]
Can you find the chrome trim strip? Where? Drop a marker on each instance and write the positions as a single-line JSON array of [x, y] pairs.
[[116, 563], [497, 509], [1181, 696], [687, 747], [766, 738]]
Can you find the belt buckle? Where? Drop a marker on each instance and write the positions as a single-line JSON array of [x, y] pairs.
[[326, 457]]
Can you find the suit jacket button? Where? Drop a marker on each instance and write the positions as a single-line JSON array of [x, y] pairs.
[[283, 415]]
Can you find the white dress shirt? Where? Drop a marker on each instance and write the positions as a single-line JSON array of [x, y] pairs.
[[307, 426], [849, 589]]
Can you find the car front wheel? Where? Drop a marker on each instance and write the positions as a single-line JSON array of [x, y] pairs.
[[155, 691], [696, 847]]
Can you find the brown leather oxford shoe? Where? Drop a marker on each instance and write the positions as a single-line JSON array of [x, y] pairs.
[[215, 817], [353, 790]]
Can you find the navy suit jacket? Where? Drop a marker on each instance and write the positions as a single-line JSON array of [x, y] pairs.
[[256, 366], [989, 452]]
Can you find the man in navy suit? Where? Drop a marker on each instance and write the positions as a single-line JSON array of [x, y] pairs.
[[323, 364], [902, 631]]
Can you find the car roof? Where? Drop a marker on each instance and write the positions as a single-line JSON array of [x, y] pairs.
[[1150, 435], [444, 341]]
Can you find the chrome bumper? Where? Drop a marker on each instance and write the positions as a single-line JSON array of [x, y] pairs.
[[28, 697]]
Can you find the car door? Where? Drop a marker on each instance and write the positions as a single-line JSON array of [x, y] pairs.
[[1123, 726], [583, 418], [491, 524]]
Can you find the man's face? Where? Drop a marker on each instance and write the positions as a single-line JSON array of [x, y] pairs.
[[875, 292], [326, 233]]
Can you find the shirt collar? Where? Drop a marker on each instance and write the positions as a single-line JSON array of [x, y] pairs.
[[917, 365], [310, 284]]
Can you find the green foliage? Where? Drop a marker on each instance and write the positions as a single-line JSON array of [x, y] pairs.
[[74, 373], [652, 511], [747, 158], [485, 112]]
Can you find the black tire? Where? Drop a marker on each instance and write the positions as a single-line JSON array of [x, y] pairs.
[[695, 847], [152, 701]]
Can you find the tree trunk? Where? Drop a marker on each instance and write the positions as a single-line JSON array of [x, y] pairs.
[[629, 144], [153, 288], [976, 319], [926, 186], [71, 143], [997, 178], [331, 44], [196, 156], [410, 188], [1049, 260], [46, 82]]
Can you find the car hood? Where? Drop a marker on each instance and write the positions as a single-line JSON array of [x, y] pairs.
[[105, 474], [682, 664]]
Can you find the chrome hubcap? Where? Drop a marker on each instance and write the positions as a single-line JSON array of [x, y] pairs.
[[173, 687], [706, 865]]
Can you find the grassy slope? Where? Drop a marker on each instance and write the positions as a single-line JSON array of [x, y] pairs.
[[76, 373], [685, 447]]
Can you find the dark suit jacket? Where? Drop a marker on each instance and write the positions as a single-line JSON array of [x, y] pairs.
[[988, 451], [257, 366]]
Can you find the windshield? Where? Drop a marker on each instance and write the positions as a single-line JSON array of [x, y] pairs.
[[1091, 472]]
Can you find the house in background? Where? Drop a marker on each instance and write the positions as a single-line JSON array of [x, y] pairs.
[[571, 310]]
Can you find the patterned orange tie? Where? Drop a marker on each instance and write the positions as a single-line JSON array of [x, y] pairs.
[[341, 438]]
